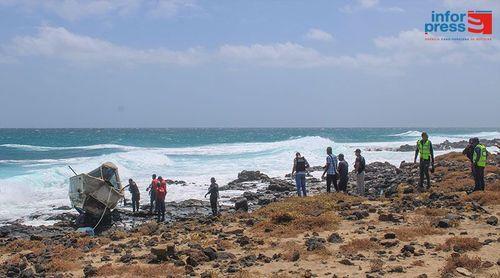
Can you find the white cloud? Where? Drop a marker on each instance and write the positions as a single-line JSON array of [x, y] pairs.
[[78, 9], [473, 5], [59, 43], [319, 35], [359, 5], [390, 54]]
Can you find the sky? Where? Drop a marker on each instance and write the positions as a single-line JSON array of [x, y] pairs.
[[235, 63]]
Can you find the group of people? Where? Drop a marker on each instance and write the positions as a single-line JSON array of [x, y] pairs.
[[336, 168], [158, 191], [336, 171], [475, 151]]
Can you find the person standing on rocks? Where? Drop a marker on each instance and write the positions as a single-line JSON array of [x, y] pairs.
[[424, 149], [300, 165], [330, 170], [161, 193], [479, 158], [359, 166], [343, 173], [134, 190], [213, 190], [152, 193]]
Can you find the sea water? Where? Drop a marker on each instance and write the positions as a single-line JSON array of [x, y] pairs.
[[34, 173]]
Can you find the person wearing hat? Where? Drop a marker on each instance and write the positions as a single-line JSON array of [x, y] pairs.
[[479, 157], [424, 150], [213, 190], [359, 166]]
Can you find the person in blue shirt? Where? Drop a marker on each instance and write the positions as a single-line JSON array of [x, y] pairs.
[[330, 170]]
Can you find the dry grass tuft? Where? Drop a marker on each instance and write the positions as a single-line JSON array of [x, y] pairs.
[[461, 244], [62, 265], [431, 212], [488, 197], [418, 229], [139, 270], [376, 265], [358, 244], [296, 215], [464, 261]]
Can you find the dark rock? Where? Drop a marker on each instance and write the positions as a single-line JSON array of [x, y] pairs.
[[89, 271], [444, 223], [314, 243], [192, 261], [335, 238], [346, 262], [242, 241], [390, 236], [128, 257], [295, 256], [210, 253], [408, 248], [492, 220], [241, 204]]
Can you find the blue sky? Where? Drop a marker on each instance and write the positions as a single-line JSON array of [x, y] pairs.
[[189, 63]]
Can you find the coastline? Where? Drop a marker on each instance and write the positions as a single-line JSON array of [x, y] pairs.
[[344, 235]]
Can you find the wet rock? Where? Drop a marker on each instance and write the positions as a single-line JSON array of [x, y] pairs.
[[241, 204], [492, 220], [280, 185], [335, 238]]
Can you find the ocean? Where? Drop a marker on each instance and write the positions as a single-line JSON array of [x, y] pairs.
[[34, 173]]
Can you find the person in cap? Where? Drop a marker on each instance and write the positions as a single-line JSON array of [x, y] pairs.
[[330, 170], [213, 190], [426, 153], [359, 167], [300, 166]]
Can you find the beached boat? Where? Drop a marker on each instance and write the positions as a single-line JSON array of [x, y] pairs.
[[97, 192]]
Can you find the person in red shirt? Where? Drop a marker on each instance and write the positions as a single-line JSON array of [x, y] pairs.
[[152, 193], [161, 193]]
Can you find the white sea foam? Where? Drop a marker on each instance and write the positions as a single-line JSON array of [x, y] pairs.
[[409, 133], [44, 182], [46, 148]]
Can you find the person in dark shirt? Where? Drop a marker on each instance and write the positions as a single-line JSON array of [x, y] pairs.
[[134, 190], [468, 152], [213, 190], [426, 153], [300, 166], [359, 166], [343, 173]]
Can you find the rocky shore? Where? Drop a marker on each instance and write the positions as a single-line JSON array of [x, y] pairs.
[[394, 231]]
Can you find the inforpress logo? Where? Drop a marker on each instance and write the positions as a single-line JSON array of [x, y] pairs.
[[480, 22], [473, 25]]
